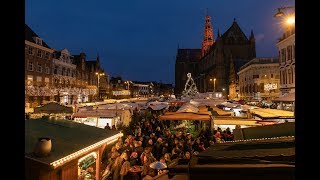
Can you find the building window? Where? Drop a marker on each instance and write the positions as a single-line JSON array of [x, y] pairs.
[[289, 52], [55, 70], [46, 81], [30, 66], [39, 53], [39, 68], [30, 51], [294, 51], [29, 80], [285, 77], [271, 75], [262, 87], [292, 75], [46, 55], [68, 72], [38, 41], [39, 80], [59, 70], [283, 55], [47, 70], [289, 76], [255, 76]]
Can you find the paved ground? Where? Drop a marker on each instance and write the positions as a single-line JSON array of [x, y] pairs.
[[180, 177]]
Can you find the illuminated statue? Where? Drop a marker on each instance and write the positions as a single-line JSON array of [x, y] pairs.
[[190, 88]]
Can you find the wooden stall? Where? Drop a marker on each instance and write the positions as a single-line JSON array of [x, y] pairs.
[[64, 150]]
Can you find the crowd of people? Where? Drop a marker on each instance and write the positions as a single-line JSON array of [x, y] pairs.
[[148, 140]]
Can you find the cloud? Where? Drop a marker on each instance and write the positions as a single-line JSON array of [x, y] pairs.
[[259, 37]]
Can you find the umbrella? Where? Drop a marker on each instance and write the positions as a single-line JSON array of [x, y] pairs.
[[158, 165]]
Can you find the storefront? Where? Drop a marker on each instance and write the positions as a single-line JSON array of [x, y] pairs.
[[99, 122], [87, 166], [75, 154]]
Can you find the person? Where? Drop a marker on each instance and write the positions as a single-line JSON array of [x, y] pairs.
[[107, 126], [114, 127]]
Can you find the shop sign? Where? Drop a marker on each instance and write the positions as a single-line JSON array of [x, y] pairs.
[[270, 86]]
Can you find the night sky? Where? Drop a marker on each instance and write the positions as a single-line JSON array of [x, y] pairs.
[[138, 39]]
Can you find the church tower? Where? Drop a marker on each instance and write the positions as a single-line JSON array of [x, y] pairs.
[[208, 39]]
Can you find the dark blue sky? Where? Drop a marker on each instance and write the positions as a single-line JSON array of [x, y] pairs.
[[138, 39]]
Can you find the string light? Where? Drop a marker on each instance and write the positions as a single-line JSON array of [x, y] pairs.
[[246, 140], [46, 91], [109, 140], [190, 88]]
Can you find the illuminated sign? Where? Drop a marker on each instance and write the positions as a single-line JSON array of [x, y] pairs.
[[119, 93], [270, 86]]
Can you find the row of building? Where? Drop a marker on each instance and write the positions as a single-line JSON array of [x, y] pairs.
[[58, 75], [228, 64]]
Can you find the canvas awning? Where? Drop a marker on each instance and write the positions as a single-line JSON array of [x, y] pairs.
[[54, 108], [287, 98], [272, 113], [106, 113], [185, 116]]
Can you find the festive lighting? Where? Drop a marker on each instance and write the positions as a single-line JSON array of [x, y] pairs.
[[247, 140], [46, 91], [190, 88], [109, 140]]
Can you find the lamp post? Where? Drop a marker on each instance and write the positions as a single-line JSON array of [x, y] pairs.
[[214, 84], [98, 75], [289, 18]]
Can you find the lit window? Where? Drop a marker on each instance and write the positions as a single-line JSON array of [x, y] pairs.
[[29, 80], [39, 80], [46, 81]]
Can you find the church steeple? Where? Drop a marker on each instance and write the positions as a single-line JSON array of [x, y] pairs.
[[208, 39], [251, 38]]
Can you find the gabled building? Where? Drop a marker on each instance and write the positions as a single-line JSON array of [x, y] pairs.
[[213, 60], [286, 47], [64, 77], [259, 79], [187, 61], [232, 45], [38, 66], [86, 79]]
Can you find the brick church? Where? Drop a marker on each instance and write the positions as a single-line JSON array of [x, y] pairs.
[[218, 59]]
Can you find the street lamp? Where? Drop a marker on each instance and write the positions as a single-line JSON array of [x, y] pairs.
[[214, 84], [289, 19], [280, 11], [99, 74]]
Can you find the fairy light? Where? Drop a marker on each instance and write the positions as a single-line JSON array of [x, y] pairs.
[[261, 139], [46, 91], [108, 140]]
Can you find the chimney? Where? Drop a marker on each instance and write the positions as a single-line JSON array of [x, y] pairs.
[[43, 147]]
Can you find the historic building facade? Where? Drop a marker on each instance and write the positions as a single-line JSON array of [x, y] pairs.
[[187, 61], [259, 79], [286, 46], [38, 65], [52, 75], [86, 77], [64, 77], [214, 59]]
